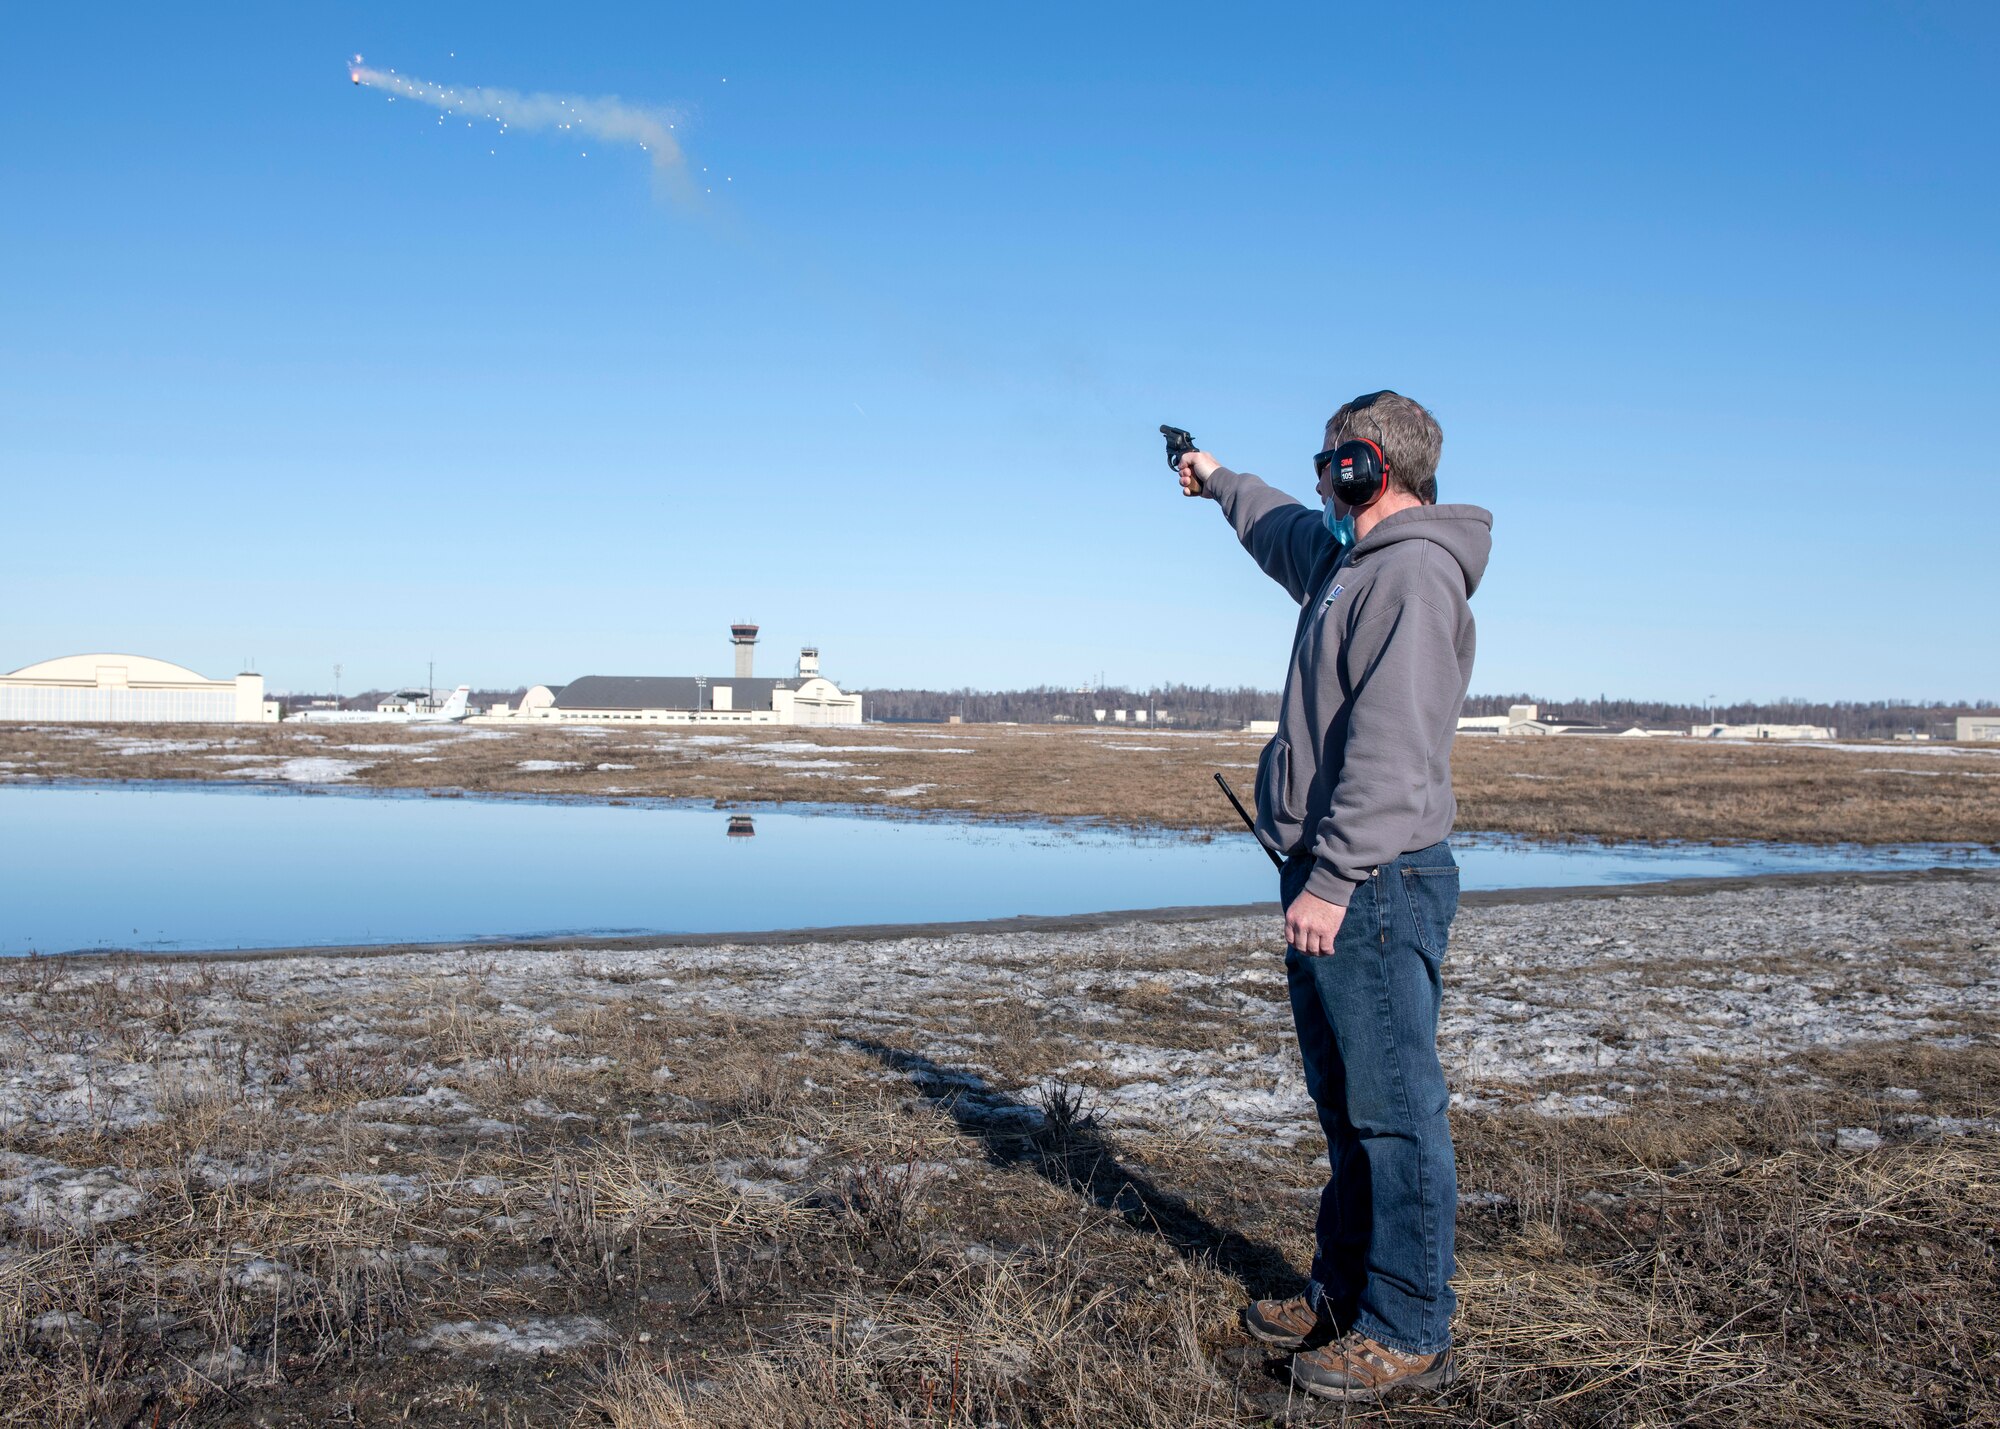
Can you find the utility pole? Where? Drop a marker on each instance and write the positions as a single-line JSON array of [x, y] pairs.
[[336, 686]]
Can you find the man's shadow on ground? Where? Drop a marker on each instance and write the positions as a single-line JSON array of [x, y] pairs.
[[1062, 1143]]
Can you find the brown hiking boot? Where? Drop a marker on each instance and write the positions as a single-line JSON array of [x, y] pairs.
[[1289, 1324], [1356, 1367]]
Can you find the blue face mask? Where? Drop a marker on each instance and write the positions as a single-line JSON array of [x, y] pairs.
[[1341, 528]]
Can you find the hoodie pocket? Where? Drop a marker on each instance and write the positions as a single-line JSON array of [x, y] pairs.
[[1274, 785]]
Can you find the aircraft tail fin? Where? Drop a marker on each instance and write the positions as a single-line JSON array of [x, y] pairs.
[[454, 708]]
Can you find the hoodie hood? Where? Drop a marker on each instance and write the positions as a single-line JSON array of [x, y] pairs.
[[1465, 532]]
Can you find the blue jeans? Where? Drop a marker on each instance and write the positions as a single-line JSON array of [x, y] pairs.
[[1367, 1021]]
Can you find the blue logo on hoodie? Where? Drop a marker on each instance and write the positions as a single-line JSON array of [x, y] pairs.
[[1331, 596]]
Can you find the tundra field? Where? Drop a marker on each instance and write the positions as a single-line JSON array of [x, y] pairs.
[[1728, 1153], [1726, 1157], [1549, 787]]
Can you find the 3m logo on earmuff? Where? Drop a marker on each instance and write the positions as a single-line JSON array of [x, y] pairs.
[[1362, 472]]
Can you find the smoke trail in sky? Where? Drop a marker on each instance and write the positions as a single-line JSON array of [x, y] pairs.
[[609, 119]]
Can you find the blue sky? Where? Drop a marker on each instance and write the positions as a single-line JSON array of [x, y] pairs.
[[1704, 296]]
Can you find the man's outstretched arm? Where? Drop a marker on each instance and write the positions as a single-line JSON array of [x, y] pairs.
[[1284, 537]]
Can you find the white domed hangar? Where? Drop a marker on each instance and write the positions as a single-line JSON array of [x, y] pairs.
[[130, 689]]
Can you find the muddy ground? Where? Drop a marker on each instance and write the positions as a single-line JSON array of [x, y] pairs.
[[1726, 1157], [1611, 788]]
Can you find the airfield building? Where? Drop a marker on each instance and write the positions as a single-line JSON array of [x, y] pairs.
[[806, 698], [130, 689], [1979, 727], [1761, 731], [1525, 719]]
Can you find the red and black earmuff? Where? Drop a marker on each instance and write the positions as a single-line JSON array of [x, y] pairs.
[[1360, 471]]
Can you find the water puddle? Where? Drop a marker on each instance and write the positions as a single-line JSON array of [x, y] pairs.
[[197, 868]]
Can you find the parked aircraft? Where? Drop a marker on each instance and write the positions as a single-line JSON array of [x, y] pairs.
[[450, 712]]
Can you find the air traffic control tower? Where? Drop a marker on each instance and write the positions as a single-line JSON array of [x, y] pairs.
[[744, 638]]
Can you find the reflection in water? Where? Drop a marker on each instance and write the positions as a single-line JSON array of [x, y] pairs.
[[742, 826]]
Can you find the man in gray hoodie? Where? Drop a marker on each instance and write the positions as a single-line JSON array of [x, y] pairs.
[[1354, 793]]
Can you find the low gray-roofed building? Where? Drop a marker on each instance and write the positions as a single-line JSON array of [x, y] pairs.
[[807, 698], [667, 692]]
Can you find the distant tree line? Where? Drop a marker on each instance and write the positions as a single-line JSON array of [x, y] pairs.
[[1205, 707], [1850, 719], [1183, 706]]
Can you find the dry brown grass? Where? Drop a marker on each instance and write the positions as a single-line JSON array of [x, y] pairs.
[[1610, 788], [803, 1227]]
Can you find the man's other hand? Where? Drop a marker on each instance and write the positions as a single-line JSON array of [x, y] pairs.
[[1311, 924], [1195, 467]]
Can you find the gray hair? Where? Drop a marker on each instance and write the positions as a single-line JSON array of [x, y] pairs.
[[1407, 433]]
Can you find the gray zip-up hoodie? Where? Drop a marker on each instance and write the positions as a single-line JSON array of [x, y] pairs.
[[1360, 769]]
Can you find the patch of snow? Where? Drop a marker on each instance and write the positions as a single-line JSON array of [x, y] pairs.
[[431, 1104], [402, 1190], [37, 1191], [224, 1365], [262, 1275], [308, 769], [541, 1110], [1561, 1104], [540, 766], [1949, 1125], [1894, 750], [1939, 773], [522, 1337], [63, 1327], [127, 745]]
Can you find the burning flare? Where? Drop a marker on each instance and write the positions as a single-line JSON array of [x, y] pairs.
[[608, 118]]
